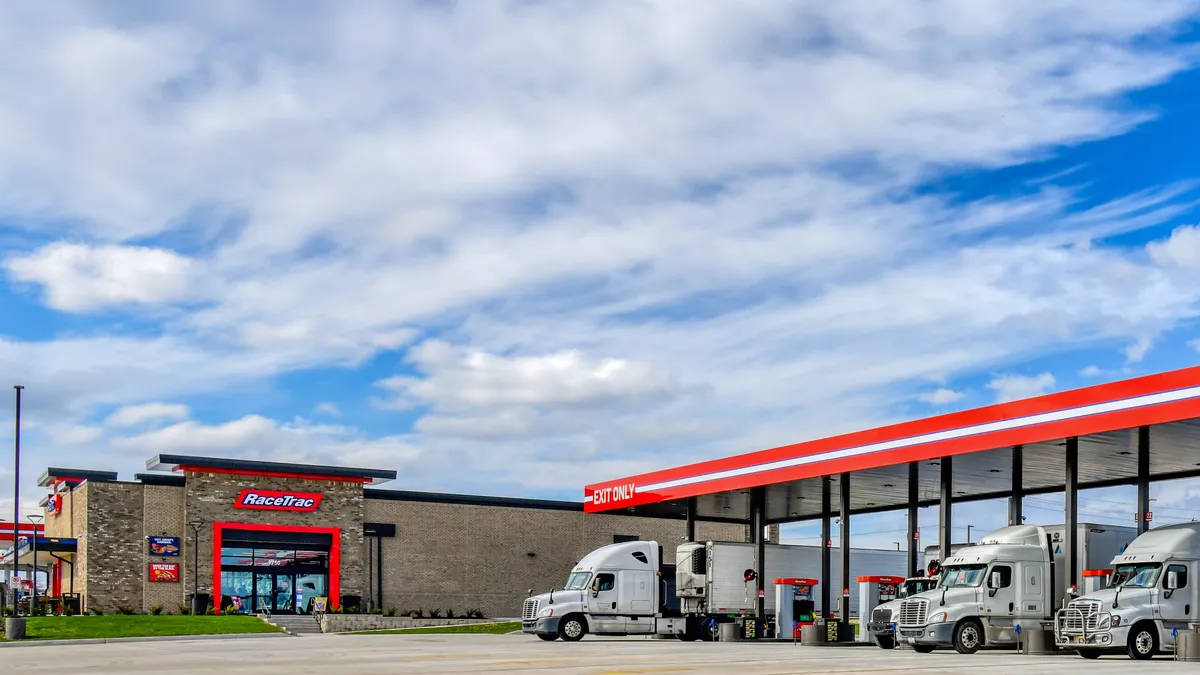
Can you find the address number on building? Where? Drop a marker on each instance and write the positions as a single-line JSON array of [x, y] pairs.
[[278, 500]]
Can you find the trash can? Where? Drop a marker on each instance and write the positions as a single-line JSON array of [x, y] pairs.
[[1038, 640], [812, 635], [1187, 646], [14, 629], [730, 632]]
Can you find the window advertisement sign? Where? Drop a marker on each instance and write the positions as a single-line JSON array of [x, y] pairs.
[[164, 546], [164, 572]]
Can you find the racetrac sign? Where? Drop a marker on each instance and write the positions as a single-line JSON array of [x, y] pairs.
[[276, 500]]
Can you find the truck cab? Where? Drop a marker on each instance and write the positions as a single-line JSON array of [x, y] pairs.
[[618, 589], [881, 624], [1152, 593]]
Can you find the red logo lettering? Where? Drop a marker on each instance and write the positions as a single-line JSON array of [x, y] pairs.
[[276, 500]]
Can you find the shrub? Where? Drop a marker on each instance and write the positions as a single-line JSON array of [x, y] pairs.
[[208, 611], [449, 613], [97, 611], [475, 614], [417, 613], [184, 610], [390, 611], [125, 610], [156, 610], [435, 613]]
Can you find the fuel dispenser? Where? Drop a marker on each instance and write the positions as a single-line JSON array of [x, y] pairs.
[[1095, 580], [794, 606], [873, 592]]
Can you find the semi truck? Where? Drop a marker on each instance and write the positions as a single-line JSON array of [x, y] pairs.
[[626, 589], [1013, 577], [881, 627], [1152, 593]]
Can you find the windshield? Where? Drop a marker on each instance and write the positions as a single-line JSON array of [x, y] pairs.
[[961, 576], [914, 587], [1143, 575], [1120, 574], [577, 581]]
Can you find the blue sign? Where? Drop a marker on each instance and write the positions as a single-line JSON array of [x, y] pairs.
[[165, 546]]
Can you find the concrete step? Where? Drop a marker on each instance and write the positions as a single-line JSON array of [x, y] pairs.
[[296, 624]]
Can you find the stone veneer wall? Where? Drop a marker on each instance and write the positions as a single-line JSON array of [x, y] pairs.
[[114, 545], [464, 557], [79, 509], [210, 496], [163, 508], [349, 623]]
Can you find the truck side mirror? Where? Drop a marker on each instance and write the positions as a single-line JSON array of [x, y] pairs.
[[595, 588], [1172, 581], [994, 581]]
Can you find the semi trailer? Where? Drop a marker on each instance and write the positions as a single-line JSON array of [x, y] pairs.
[[626, 589], [1152, 594], [1013, 577]]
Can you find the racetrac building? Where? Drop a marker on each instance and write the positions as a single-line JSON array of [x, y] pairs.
[[248, 535]]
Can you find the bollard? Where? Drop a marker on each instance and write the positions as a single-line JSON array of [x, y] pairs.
[[730, 632], [812, 635], [1187, 646], [14, 629], [1038, 641]]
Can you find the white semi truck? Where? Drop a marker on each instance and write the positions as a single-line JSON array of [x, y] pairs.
[[625, 589], [1153, 592], [881, 626], [1013, 577]]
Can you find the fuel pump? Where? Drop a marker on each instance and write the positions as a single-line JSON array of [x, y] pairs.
[[872, 592], [1095, 580], [794, 606]]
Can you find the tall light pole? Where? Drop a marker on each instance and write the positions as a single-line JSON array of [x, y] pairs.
[[16, 496], [969, 533], [36, 519], [196, 525]]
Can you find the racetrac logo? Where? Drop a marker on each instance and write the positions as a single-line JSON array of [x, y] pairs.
[[275, 500], [614, 493]]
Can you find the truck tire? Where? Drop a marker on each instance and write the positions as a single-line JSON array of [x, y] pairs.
[[1089, 653], [923, 649], [885, 641], [548, 637], [1143, 641], [572, 628], [968, 637]]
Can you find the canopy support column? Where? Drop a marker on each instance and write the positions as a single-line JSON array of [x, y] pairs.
[[1071, 504], [945, 527], [844, 546], [826, 540], [1143, 479], [691, 519], [914, 500], [758, 507], [1016, 502]]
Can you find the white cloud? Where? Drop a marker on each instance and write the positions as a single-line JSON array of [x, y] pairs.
[[327, 408], [1014, 387], [74, 434], [133, 415], [1091, 371], [1181, 249], [81, 278], [941, 396], [1136, 351]]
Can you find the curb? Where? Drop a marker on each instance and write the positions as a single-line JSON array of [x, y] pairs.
[[151, 638]]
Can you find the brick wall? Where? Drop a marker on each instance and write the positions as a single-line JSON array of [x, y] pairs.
[[163, 509], [114, 545], [209, 497], [79, 510], [463, 557]]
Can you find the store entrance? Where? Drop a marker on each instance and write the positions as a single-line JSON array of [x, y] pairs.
[[281, 577]]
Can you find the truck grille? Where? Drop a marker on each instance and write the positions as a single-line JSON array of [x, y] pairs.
[[1081, 615], [912, 612], [529, 610], [881, 616]]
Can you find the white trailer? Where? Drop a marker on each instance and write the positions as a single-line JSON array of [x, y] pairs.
[[710, 577]]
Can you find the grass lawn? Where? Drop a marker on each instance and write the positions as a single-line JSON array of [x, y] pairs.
[[78, 627], [475, 628]]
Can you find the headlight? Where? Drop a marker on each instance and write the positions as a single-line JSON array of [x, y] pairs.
[[1116, 620], [549, 611], [940, 617], [1105, 623]]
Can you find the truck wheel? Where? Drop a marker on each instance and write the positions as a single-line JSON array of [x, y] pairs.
[[968, 637], [1143, 642], [572, 628], [923, 649], [1089, 653], [548, 637], [885, 642]]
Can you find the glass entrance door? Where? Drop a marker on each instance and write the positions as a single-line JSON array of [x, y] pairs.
[[274, 578]]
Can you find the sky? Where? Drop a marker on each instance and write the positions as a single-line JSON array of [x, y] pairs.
[[515, 247]]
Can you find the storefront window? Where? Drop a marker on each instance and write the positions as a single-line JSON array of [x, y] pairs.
[[280, 580]]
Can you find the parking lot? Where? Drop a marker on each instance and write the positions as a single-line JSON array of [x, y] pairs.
[[364, 654]]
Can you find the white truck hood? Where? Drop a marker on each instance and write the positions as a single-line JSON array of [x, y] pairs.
[[1128, 598]]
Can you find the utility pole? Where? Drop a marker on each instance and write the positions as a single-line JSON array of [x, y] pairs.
[[196, 525], [16, 496], [36, 519]]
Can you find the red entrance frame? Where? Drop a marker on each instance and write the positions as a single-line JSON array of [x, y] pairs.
[[335, 555]]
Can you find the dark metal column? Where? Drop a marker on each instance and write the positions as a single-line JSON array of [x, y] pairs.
[[844, 537], [691, 519], [945, 526], [914, 500], [1071, 503], [1016, 501], [16, 499], [758, 520], [826, 537], [379, 569], [1143, 479]]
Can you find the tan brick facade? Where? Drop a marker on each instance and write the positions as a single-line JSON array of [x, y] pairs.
[[446, 554], [463, 557]]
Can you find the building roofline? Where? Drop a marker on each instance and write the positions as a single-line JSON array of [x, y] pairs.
[[74, 476], [173, 463], [165, 479]]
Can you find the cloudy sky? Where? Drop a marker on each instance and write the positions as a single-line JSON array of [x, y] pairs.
[[513, 247]]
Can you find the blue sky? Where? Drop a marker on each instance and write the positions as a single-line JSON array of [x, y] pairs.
[[512, 248]]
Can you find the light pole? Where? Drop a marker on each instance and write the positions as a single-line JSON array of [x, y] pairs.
[[36, 519], [196, 525], [969, 533], [16, 496]]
